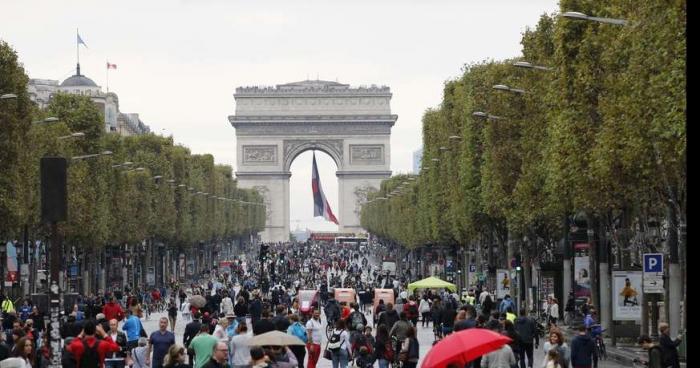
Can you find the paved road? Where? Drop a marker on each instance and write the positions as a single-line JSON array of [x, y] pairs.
[[425, 338]]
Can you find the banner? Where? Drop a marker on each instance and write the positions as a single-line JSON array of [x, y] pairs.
[[11, 268], [582, 277], [502, 283], [627, 295]]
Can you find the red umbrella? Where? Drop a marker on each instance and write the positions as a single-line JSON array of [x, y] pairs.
[[463, 346]]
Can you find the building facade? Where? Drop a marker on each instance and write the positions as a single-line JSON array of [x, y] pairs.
[[42, 90], [417, 158]]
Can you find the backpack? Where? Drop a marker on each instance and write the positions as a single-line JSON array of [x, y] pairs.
[[356, 319], [388, 351], [563, 362], [413, 309], [299, 332], [90, 357], [360, 341], [334, 343]]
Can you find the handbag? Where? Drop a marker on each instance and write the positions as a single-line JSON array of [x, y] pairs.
[[327, 354]]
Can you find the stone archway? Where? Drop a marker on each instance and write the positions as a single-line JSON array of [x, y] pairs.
[[276, 124]]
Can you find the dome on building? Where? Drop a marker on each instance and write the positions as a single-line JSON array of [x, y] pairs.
[[78, 80]]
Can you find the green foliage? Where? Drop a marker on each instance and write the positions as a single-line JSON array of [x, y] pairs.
[[602, 132]]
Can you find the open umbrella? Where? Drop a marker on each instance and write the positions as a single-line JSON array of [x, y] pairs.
[[198, 301], [463, 346], [275, 338]]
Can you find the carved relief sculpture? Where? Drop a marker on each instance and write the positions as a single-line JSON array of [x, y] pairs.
[[365, 154], [259, 155]]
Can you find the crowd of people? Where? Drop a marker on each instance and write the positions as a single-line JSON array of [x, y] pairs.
[[224, 309]]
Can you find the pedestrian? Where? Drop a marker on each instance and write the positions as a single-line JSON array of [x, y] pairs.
[[175, 357], [410, 348], [424, 308], [556, 341], [553, 311], [258, 359], [159, 342], [298, 330], [501, 358], [138, 354], [116, 359], [529, 339], [112, 310], [655, 353], [172, 314], [281, 357], [314, 333], [552, 359], [239, 350], [203, 346], [191, 331], [389, 317], [339, 345], [220, 330], [668, 346], [582, 349], [92, 345], [132, 327], [218, 357]]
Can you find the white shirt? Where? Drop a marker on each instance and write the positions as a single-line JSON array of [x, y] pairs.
[[316, 330], [226, 306], [240, 349], [344, 338]]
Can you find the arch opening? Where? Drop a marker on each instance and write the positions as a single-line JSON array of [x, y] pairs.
[[301, 202]]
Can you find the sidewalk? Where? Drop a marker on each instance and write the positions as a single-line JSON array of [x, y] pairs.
[[623, 353]]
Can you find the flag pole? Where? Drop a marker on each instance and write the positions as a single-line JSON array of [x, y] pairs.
[[107, 76], [77, 45]]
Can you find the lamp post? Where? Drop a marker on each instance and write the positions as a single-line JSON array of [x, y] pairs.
[[582, 16]]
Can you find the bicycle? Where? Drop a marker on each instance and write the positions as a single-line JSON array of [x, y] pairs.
[[597, 335]]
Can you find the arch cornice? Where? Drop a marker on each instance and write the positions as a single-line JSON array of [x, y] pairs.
[[294, 147]]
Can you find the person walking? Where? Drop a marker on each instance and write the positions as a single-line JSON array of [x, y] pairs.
[[172, 314], [668, 346], [339, 345], [424, 308], [410, 349], [582, 349], [239, 350], [655, 353], [159, 343], [529, 339], [138, 354], [92, 345], [556, 341], [218, 357], [117, 359], [191, 331], [314, 332], [298, 330], [203, 346], [175, 357]]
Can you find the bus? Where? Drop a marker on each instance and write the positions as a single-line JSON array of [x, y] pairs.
[[341, 240]]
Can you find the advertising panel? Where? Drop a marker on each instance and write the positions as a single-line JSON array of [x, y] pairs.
[[627, 295], [502, 283], [582, 278]]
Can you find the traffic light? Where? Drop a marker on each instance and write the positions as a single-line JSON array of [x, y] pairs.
[[263, 252]]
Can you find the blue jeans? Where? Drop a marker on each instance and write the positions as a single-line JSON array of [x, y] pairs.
[[383, 363], [341, 357]]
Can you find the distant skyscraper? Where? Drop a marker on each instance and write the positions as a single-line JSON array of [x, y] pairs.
[[417, 156]]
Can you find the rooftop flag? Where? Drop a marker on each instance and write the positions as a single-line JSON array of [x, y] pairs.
[[80, 41], [321, 205], [111, 66]]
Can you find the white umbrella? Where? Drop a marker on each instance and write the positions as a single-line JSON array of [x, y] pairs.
[[275, 338]]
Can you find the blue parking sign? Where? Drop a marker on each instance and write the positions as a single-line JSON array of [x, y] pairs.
[[653, 262]]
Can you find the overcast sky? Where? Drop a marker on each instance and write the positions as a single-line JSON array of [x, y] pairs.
[[179, 62]]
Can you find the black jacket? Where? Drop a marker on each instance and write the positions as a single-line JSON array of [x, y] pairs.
[[670, 351], [527, 330], [191, 330], [263, 325], [389, 318], [582, 347]]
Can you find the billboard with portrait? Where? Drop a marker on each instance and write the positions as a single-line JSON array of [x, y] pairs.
[[582, 276], [627, 295], [502, 283]]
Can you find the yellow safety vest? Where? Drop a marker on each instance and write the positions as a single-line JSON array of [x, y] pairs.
[[511, 317], [7, 306]]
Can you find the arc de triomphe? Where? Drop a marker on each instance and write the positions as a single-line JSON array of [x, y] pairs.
[[275, 124]]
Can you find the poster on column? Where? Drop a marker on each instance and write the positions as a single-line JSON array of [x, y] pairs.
[[502, 283], [582, 278], [627, 295]]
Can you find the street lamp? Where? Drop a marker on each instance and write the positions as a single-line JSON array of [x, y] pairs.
[[581, 16], [481, 114], [8, 96], [73, 135], [503, 87], [103, 153], [454, 138], [47, 120], [527, 65]]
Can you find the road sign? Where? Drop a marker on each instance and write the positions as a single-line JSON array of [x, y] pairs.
[[653, 281], [472, 268], [653, 262]]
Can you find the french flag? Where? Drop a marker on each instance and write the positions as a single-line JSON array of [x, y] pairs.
[[321, 205]]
